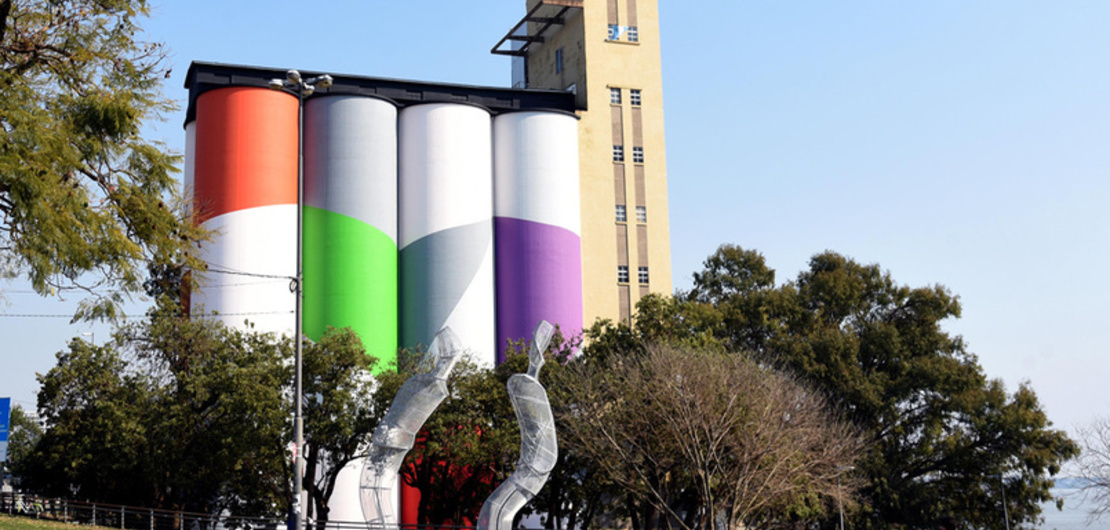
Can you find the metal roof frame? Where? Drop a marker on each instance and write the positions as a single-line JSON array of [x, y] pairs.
[[557, 17]]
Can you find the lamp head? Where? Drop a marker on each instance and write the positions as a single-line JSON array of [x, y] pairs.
[[307, 90], [276, 84], [324, 81], [293, 76]]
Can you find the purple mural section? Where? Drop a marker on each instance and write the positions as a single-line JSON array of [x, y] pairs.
[[539, 277]]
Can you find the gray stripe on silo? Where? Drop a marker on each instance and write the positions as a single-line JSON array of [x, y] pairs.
[[431, 289]]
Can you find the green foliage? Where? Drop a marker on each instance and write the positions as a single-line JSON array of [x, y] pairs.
[[940, 428], [175, 414], [182, 413], [85, 201], [96, 419], [221, 413], [24, 433], [340, 410]]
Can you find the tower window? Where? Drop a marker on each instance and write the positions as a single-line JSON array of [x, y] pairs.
[[615, 96], [622, 273], [641, 214], [618, 153], [614, 32], [633, 34], [622, 213], [634, 97], [642, 274], [638, 155], [559, 60]]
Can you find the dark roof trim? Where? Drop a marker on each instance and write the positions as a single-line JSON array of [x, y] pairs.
[[203, 77]]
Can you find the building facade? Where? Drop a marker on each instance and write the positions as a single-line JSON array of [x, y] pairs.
[[608, 53]]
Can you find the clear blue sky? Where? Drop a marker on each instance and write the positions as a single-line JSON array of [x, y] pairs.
[[952, 142]]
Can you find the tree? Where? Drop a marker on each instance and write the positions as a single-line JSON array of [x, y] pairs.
[[174, 413], [24, 433], [696, 439], [1094, 465], [340, 411], [219, 416], [939, 427], [94, 446], [85, 201], [185, 413]]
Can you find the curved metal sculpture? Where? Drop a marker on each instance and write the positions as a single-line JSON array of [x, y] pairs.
[[538, 446], [396, 434]]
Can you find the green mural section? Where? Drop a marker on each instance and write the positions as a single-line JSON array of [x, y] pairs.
[[350, 280]]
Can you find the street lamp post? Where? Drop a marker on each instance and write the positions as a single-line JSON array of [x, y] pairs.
[[302, 88]]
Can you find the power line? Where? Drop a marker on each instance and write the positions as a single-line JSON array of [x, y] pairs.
[[29, 315], [131, 317], [241, 284], [250, 274]]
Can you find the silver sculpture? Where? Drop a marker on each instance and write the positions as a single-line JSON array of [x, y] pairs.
[[538, 446], [395, 435], [419, 397]]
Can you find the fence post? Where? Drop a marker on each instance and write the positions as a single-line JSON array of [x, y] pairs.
[[152, 520], [65, 511], [122, 517], [94, 514]]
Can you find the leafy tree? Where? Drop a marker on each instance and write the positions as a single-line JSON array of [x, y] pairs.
[[175, 413], [85, 201], [940, 428], [183, 413], [95, 412], [340, 412], [24, 433], [216, 443]]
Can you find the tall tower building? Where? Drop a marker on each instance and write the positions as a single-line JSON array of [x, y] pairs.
[[607, 52]]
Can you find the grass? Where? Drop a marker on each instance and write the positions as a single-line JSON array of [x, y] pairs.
[[8, 522]]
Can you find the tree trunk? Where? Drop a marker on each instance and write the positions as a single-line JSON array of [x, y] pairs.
[[5, 10]]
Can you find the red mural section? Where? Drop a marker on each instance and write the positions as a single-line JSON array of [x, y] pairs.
[[246, 151]]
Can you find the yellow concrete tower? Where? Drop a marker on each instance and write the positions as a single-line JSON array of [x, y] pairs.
[[607, 52]]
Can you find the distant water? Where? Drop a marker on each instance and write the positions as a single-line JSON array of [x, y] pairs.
[[1074, 514]]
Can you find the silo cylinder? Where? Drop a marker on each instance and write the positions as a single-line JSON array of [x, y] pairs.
[[446, 226], [350, 220], [244, 178], [350, 238], [537, 223]]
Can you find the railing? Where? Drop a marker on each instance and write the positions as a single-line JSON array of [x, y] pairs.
[[128, 517], [133, 518]]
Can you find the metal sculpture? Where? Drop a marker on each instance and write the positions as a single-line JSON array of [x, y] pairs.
[[395, 436], [538, 446]]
